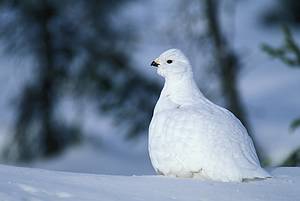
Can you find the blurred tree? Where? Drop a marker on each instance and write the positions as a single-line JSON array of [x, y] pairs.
[[283, 11], [286, 12], [293, 159], [227, 61], [289, 54], [78, 51]]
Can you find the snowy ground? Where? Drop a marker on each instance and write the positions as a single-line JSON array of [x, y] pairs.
[[25, 184]]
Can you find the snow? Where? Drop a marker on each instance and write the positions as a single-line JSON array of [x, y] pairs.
[[19, 184]]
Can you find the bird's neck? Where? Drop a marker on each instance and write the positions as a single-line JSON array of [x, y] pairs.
[[181, 89]]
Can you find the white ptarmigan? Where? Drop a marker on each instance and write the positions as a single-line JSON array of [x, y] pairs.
[[189, 136]]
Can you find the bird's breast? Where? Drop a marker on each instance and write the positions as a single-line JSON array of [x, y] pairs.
[[173, 143]]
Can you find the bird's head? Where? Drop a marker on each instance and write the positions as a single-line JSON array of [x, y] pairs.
[[172, 63]]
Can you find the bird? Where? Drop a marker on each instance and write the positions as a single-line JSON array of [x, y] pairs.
[[192, 137]]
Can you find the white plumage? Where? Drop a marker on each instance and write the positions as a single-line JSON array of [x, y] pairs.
[[189, 136]]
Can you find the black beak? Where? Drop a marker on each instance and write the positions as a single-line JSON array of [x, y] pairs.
[[154, 64]]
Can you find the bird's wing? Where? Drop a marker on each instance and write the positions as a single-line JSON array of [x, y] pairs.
[[215, 137], [238, 134]]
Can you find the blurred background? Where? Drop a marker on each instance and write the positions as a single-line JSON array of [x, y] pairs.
[[77, 90]]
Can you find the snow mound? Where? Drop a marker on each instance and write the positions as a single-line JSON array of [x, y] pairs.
[[19, 184]]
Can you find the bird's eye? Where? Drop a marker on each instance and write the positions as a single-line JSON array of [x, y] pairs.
[[169, 61]]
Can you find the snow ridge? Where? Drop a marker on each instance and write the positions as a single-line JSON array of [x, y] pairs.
[[19, 184]]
